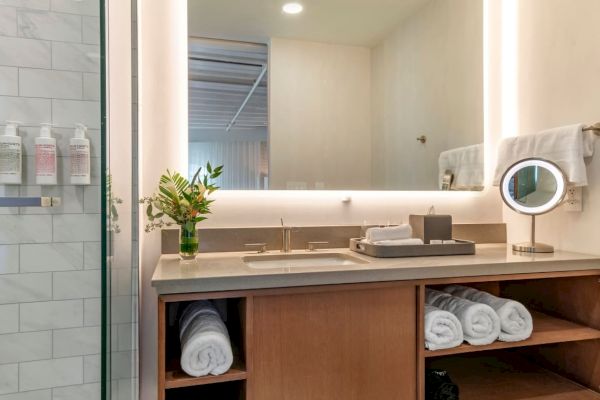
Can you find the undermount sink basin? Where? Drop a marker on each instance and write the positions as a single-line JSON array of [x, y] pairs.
[[301, 260]]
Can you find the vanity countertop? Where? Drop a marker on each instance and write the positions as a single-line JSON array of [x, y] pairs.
[[226, 271]]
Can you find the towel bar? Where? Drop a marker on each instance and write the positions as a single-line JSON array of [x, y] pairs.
[[594, 128], [29, 201]]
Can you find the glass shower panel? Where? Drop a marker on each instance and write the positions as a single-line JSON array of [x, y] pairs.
[[122, 254], [51, 265]]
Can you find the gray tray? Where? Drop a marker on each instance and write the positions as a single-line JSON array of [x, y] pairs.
[[461, 247]]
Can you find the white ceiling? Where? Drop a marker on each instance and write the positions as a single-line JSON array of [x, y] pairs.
[[350, 22]]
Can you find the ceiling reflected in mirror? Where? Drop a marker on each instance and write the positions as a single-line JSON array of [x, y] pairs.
[[338, 95]]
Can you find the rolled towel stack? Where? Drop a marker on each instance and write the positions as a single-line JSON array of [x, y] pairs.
[[516, 323], [480, 323], [205, 344], [442, 329], [400, 235]]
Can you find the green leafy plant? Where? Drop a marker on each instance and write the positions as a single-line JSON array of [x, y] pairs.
[[113, 203], [185, 203]]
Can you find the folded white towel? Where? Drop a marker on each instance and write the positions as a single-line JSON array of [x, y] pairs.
[[480, 323], [205, 345], [566, 146], [399, 242], [442, 329], [467, 166], [389, 233], [515, 320]]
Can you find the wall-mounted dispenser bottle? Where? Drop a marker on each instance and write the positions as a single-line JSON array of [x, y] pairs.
[[79, 148], [45, 157], [11, 155]]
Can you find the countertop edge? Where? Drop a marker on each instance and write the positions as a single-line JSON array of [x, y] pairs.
[[319, 278]]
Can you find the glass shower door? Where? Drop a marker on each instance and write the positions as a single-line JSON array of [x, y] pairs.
[[51, 266], [121, 229], [68, 270]]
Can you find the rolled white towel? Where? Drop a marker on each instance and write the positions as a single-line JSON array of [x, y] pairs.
[[389, 233], [480, 323], [442, 329], [516, 323], [205, 344]]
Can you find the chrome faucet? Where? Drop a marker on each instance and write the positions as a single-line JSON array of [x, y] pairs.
[[286, 238]]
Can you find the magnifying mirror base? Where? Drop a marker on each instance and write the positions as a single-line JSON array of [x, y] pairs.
[[535, 248]]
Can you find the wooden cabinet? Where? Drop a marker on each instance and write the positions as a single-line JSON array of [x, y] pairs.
[[366, 341], [347, 345]]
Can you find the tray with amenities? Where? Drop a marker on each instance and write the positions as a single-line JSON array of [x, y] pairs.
[[454, 248]]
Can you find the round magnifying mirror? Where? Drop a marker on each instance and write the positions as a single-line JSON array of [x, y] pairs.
[[533, 187]]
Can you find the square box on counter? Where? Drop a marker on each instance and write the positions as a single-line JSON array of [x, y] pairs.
[[431, 227]]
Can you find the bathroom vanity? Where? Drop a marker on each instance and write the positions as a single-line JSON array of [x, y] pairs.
[[353, 329]]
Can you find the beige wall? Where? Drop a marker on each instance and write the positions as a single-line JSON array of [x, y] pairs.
[[162, 35], [163, 128], [427, 79], [559, 84], [320, 115], [560, 69]]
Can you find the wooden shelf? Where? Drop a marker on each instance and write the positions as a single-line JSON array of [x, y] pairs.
[[176, 378], [509, 378], [546, 330]]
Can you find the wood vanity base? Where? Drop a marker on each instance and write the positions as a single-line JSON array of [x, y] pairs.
[[365, 341]]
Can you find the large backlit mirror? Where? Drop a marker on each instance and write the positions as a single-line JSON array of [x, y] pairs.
[[337, 94]]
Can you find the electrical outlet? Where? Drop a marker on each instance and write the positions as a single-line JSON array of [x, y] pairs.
[[574, 199]]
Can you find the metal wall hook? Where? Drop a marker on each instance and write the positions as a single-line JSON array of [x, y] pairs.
[[422, 139]]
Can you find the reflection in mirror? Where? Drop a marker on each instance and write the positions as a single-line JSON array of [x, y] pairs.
[[532, 186], [345, 95]]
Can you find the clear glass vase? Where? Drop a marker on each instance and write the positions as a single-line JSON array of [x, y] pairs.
[[188, 241]]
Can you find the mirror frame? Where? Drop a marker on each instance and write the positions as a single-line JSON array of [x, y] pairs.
[[555, 201]]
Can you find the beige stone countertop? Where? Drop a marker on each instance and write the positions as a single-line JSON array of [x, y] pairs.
[[212, 272]]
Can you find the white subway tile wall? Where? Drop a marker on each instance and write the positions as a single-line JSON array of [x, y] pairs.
[[87, 391], [50, 258], [9, 378]]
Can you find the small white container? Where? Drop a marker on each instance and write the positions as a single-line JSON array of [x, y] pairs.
[[79, 147], [11, 155], [45, 157]]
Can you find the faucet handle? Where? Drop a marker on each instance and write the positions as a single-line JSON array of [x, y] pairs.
[[310, 246], [262, 247]]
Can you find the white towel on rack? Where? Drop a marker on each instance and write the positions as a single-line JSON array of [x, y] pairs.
[[205, 344], [389, 233], [480, 323], [467, 166], [516, 323], [567, 146], [442, 329]]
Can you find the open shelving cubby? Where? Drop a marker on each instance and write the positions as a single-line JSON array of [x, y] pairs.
[[504, 375], [174, 383], [547, 330], [553, 364]]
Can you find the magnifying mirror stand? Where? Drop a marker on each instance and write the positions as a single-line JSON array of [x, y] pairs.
[[533, 247]]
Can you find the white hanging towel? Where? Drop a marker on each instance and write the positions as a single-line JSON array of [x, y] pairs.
[[467, 166], [566, 146]]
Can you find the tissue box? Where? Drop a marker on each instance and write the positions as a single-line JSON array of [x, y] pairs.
[[431, 227]]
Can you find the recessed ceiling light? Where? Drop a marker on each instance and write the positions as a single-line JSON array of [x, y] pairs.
[[292, 8]]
